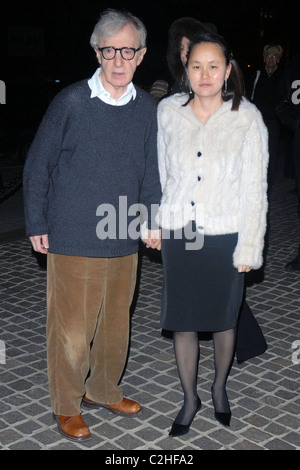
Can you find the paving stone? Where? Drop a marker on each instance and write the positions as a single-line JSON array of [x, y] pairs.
[[9, 436], [246, 445], [264, 391], [256, 420], [276, 444], [254, 434], [26, 444]]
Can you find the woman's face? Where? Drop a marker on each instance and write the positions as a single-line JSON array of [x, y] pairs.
[[207, 69], [184, 49]]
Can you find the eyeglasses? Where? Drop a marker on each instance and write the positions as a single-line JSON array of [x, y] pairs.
[[109, 53], [271, 56]]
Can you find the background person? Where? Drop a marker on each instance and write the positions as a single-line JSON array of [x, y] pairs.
[[288, 112], [265, 90], [179, 36]]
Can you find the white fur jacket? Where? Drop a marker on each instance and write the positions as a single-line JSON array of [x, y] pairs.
[[215, 173]]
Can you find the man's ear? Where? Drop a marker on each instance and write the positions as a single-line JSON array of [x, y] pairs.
[[98, 55], [141, 53]]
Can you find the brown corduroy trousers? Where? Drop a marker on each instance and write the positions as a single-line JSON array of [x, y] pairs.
[[87, 328]]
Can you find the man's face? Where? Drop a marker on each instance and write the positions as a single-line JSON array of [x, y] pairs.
[[271, 60], [117, 73]]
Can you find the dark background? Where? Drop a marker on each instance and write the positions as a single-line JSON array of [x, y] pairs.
[[44, 45]]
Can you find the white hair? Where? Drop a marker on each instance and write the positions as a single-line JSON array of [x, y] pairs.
[[111, 22]]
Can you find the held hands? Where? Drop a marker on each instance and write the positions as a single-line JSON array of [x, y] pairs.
[[40, 243], [154, 239]]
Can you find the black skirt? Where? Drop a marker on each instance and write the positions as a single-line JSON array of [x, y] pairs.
[[202, 290]]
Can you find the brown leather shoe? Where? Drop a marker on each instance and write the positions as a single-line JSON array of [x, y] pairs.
[[72, 427], [125, 407]]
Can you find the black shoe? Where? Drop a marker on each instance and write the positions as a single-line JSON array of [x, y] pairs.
[[181, 429], [223, 418]]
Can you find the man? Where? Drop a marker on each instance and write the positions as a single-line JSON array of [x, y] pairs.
[[265, 89], [95, 145], [288, 112]]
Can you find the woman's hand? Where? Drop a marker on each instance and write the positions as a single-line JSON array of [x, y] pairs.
[[244, 269]]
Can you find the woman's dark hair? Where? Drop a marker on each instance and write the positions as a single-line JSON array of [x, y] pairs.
[[235, 82]]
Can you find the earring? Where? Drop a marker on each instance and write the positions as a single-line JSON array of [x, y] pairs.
[[225, 89]]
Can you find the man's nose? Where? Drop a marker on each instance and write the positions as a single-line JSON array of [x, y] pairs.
[[118, 59]]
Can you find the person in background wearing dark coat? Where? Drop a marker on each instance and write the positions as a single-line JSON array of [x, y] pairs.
[[265, 90], [180, 34], [288, 112]]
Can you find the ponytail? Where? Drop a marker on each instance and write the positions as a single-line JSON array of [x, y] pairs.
[[235, 86]]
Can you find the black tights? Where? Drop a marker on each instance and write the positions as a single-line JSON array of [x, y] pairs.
[[186, 347]]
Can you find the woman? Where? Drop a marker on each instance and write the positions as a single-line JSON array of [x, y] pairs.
[[250, 341], [180, 35], [213, 163], [179, 38]]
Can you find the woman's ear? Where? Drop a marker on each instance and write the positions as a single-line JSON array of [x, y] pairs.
[[228, 70]]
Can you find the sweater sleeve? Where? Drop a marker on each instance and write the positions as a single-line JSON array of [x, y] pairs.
[[42, 158], [161, 149], [253, 201], [150, 193]]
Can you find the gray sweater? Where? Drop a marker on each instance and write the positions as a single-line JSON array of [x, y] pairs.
[[85, 156]]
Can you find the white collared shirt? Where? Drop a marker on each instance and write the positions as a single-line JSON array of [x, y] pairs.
[[97, 89]]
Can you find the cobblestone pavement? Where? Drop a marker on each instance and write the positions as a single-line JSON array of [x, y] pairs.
[[264, 391]]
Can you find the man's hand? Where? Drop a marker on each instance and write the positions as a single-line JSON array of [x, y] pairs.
[[154, 239], [40, 243]]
